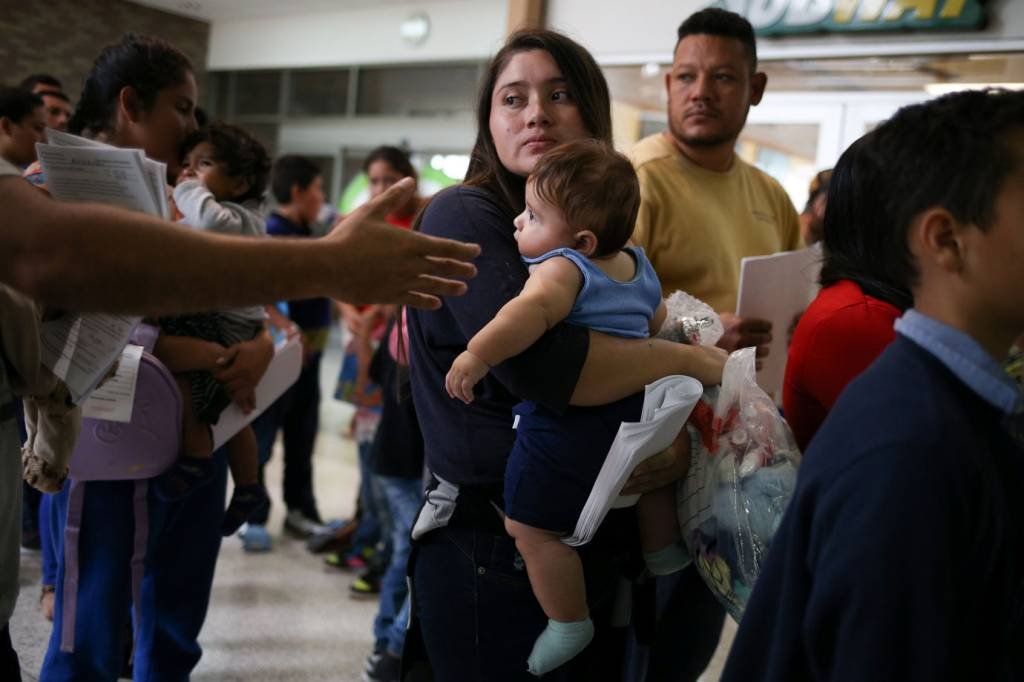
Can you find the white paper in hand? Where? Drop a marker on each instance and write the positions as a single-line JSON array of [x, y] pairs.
[[282, 372], [667, 405], [778, 288]]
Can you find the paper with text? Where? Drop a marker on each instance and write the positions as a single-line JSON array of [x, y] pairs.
[[59, 138], [114, 400], [80, 349], [103, 175]]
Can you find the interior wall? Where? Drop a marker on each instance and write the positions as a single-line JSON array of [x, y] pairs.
[[459, 30], [64, 37]]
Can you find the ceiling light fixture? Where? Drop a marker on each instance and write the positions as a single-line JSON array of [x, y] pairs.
[[415, 29]]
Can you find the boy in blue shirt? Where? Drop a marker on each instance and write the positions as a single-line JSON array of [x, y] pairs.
[[901, 556]]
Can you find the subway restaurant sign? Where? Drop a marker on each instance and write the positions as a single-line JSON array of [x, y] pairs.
[[781, 17]]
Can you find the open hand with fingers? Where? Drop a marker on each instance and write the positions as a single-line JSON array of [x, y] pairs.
[[418, 269], [250, 361], [743, 332]]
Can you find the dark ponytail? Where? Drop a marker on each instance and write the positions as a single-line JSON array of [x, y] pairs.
[[144, 63]]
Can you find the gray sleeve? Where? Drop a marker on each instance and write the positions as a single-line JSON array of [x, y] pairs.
[[201, 210]]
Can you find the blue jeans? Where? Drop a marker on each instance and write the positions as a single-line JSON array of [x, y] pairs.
[[479, 619], [184, 539], [373, 520], [689, 625], [404, 498]]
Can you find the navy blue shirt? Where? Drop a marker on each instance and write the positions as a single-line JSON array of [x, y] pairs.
[[313, 315], [469, 444], [900, 556]]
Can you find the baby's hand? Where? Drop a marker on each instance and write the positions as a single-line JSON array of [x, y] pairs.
[[466, 371]]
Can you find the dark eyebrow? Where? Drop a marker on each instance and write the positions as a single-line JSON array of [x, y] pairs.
[[559, 80], [713, 67]]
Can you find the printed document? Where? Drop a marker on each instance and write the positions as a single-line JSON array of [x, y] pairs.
[[113, 400], [80, 349]]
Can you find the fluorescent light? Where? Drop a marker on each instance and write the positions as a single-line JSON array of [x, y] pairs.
[[946, 88]]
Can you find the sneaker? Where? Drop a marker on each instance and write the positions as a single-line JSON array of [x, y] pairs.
[[338, 537], [386, 668], [301, 526], [366, 586], [351, 561], [371, 661], [255, 538]]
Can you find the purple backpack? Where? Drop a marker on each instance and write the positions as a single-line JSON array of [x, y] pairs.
[[112, 451]]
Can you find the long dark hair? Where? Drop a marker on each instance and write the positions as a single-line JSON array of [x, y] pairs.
[[857, 230], [902, 168], [585, 82], [144, 63], [392, 156]]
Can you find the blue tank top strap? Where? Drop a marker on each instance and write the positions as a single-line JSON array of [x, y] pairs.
[[623, 308]]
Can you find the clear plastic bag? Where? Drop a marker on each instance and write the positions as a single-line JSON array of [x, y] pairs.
[[690, 320], [742, 474]]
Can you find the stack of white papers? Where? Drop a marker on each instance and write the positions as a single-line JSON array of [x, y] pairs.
[[80, 349], [667, 405], [79, 169]]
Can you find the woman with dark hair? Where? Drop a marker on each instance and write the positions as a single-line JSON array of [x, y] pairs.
[[384, 166], [851, 321], [812, 218], [476, 612], [141, 93]]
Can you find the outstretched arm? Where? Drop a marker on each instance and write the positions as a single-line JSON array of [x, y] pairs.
[[546, 299], [91, 257]]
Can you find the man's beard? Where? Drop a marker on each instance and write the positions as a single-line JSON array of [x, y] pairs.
[[706, 141]]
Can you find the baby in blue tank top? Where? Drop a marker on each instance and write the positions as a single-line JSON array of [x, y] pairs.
[[581, 205]]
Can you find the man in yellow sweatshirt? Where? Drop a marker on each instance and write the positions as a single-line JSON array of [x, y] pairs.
[[703, 208]]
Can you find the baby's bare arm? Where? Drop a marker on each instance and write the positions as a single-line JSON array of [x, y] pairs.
[[659, 318], [546, 300]]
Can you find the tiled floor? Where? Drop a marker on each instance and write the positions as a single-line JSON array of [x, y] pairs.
[[280, 616]]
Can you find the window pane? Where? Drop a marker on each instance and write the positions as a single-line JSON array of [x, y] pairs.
[[786, 151], [265, 133], [318, 93], [257, 92], [417, 91], [216, 99]]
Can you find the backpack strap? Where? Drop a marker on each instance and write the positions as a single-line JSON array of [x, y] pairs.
[[139, 553], [72, 532]]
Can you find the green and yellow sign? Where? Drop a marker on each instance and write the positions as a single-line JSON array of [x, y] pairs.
[[782, 17]]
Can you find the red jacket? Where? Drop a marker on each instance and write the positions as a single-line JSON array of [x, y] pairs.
[[840, 334]]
